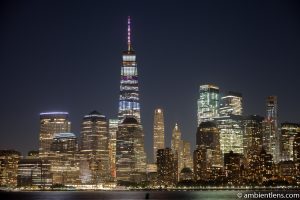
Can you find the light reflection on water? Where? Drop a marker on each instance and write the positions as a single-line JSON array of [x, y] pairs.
[[207, 195]]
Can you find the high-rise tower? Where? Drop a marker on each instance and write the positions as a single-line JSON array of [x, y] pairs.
[[158, 132], [112, 130], [229, 122], [208, 103], [130, 153], [177, 145], [271, 134], [94, 148], [129, 91], [289, 132], [50, 124]]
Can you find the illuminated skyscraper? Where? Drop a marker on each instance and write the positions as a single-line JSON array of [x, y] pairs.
[[177, 146], [229, 123], [296, 156], [112, 129], [271, 134], [158, 132], [187, 160], [231, 104], [167, 165], [207, 156], [232, 164], [200, 163], [34, 173], [130, 153], [51, 123], [289, 132], [64, 159], [253, 133], [266, 166], [208, 138], [176, 138], [129, 91], [9, 160], [208, 103], [94, 148]]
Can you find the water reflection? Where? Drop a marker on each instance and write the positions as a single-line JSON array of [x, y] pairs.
[[111, 195]]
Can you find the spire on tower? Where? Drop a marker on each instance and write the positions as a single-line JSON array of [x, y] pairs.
[[129, 35]]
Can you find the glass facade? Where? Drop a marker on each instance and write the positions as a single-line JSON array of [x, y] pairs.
[[253, 133], [64, 159], [51, 123], [208, 103], [271, 133], [230, 123], [231, 104], [9, 160], [130, 153], [34, 173], [289, 132], [296, 156], [94, 149], [113, 128], [208, 138], [231, 133], [129, 105]]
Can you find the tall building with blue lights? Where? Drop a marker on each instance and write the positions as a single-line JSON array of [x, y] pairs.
[[129, 91]]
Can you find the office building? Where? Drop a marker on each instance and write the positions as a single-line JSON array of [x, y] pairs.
[[64, 159], [34, 173], [50, 124], [271, 133], [158, 132], [208, 137], [296, 156], [230, 123], [253, 135], [232, 165], [9, 160], [167, 167], [94, 149], [129, 104], [288, 134], [112, 129], [208, 103], [177, 146], [130, 153], [187, 160], [266, 166], [207, 156]]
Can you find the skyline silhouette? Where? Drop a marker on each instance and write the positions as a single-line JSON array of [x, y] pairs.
[[66, 56]]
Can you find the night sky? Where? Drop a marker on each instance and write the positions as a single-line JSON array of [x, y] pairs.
[[66, 56]]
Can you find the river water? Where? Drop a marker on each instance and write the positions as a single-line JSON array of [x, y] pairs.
[[108, 195]]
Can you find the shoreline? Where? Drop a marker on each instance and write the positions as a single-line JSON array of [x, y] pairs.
[[160, 190]]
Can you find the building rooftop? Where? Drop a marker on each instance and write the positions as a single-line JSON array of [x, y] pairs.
[[207, 124], [130, 120], [64, 135], [45, 115], [95, 115]]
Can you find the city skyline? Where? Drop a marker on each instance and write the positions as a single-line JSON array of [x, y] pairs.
[[53, 92]]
